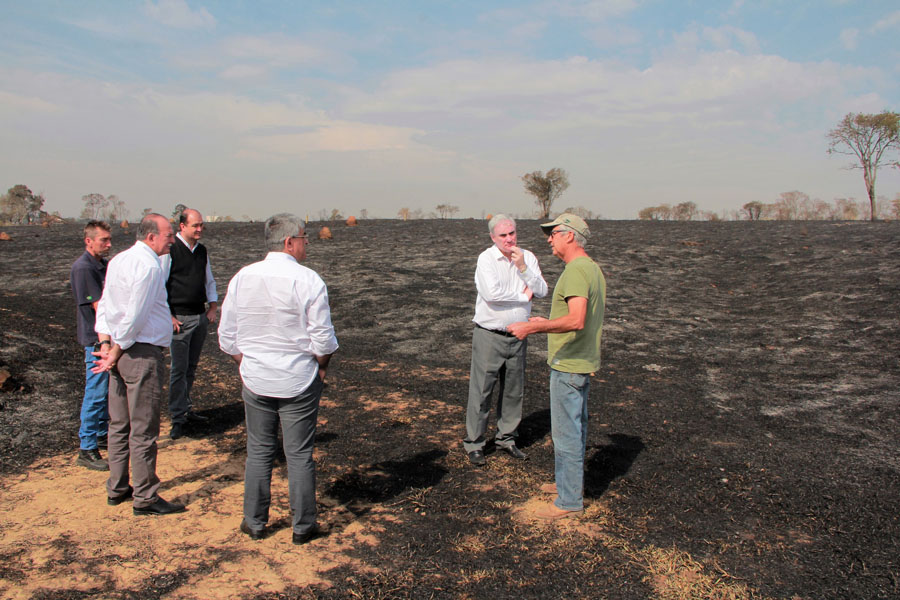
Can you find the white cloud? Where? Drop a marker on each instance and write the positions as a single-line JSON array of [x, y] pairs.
[[339, 136], [596, 10], [891, 21], [849, 38], [276, 50], [240, 72], [612, 37], [12, 103], [177, 13]]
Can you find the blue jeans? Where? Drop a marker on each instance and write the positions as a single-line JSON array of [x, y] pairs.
[[94, 407], [298, 428], [569, 426]]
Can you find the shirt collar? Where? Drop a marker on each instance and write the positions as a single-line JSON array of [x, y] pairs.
[[185, 242], [281, 256], [495, 253]]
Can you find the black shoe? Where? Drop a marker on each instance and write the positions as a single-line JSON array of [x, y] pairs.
[[255, 534], [92, 460], [117, 500], [195, 418], [476, 457], [177, 431], [301, 538], [160, 507], [103, 442], [515, 452]]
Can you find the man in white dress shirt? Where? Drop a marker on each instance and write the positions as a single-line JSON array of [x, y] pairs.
[[276, 324], [134, 316], [507, 277]]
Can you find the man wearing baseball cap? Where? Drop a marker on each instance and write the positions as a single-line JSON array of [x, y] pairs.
[[573, 353]]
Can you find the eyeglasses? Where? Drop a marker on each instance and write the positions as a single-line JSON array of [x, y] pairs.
[[555, 231], [302, 237]]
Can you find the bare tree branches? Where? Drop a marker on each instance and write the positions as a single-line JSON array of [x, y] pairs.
[[546, 188], [867, 138]]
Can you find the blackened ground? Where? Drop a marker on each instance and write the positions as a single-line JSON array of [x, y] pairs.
[[746, 413]]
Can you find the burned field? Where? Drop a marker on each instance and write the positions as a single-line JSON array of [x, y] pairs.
[[744, 428]]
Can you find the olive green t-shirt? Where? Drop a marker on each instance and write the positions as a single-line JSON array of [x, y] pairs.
[[578, 351]]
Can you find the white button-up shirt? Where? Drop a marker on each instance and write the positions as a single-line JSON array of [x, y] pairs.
[[501, 289], [134, 305], [276, 314], [165, 261]]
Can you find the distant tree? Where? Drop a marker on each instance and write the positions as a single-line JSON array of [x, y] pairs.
[[685, 211], [363, 213], [117, 210], [179, 208], [18, 203], [146, 212], [546, 188], [895, 208], [581, 211], [403, 213], [788, 206], [846, 209], [868, 138], [754, 210], [94, 206], [663, 212], [336, 215], [446, 210]]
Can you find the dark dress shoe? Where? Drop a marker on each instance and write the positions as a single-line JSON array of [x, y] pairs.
[[177, 431], [160, 507], [515, 452], [255, 534], [117, 500], [195, 418], [301, 538], [476, 457], [92, 460]]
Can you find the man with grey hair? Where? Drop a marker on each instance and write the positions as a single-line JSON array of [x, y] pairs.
[[507, 278], [134, 316], [276, 324], [573, 353]]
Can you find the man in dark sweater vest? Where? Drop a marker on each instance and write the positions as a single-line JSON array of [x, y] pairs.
[[193, 302]]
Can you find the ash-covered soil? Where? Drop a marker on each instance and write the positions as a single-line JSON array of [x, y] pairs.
[[744, 428]]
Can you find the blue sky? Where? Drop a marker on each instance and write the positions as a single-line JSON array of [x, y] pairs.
[[254, 107]]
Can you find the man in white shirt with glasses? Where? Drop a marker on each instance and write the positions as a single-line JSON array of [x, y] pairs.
[[276, 324], [507, 278]]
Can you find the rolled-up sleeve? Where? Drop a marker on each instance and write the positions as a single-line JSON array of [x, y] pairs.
[[321, 331], [228, 322]]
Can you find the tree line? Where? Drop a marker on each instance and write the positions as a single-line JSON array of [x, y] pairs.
[[873, 140]]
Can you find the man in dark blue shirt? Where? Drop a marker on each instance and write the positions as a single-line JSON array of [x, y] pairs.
[[88, 274]]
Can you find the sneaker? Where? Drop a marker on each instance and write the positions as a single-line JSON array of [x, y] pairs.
[[92, 460]]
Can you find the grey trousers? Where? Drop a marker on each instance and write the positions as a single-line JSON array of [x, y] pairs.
[[135, 389], [495, 359], [298, 428], [185, 350]]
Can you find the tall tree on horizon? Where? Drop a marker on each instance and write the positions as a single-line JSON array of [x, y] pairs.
[[546, 188], [868, 138]]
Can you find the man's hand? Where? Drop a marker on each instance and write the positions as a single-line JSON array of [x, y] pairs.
[[529, 293], [107, 358], [176, 325], [518, 258], [211, 313], [521, 329]]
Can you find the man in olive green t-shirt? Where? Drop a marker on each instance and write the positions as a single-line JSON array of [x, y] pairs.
[[573, 353]]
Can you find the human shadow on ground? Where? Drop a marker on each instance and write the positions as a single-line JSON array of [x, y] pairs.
[[610, 461], [359, 489], [534, 427]]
